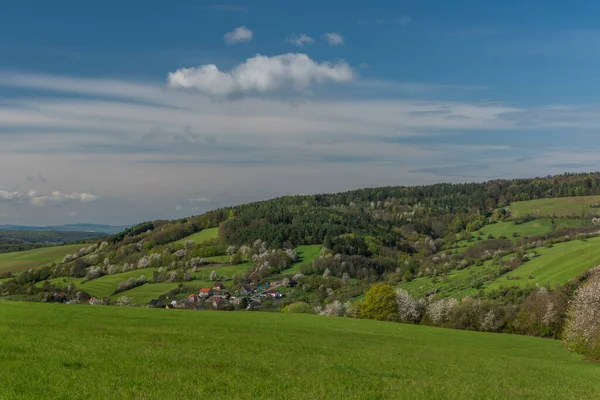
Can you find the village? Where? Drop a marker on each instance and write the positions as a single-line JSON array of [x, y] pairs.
[[246, 296]]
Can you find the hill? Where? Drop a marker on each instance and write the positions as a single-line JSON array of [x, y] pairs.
[[24, 260], [96, 228], [20, 240], [170, 354]]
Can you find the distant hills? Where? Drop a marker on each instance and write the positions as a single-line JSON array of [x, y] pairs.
[[98, 228]]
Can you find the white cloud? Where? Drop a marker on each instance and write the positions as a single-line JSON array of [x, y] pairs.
[[300, 40], [200, 200], [53, 198], [333, 39], [239, 34], [261, 74]]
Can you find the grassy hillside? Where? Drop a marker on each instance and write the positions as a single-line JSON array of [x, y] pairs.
[[172, 354], [558, 264], [22, 261], [531, 228], [560, 206], [201, 236], [306, 255]]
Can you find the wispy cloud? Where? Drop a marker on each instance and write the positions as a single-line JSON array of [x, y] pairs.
[[300, 40], [41, 200], [333, 38]]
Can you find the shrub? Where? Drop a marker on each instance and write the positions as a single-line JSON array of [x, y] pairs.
[[380, 303], [299, 307]]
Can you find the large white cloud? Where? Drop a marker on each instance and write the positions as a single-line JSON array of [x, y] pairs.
[[41, 200], [239, 34], [261, 74]]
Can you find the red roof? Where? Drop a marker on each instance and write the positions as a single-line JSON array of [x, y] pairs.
[[205, 290]]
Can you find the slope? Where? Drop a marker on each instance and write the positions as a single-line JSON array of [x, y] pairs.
[[187, 354]]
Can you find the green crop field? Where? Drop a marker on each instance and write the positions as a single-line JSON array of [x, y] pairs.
[[306, 255], [140, 353], [561, 206], [200, 237], [558, 264], [23, 260]]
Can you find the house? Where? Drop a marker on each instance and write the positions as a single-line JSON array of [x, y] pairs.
[[218, 286], [274, 293], [246, 290], [193, 298], [93, 301], [205, 292]]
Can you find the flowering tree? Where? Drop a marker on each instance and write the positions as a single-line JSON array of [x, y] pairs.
[[582, 330]]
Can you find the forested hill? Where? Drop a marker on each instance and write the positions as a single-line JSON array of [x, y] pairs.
[[20, 240], [387, 213]]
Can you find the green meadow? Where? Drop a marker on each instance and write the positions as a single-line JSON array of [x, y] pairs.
[[557, 264], [24, 260], [306, 255], [54, 351], [531, 228], [200, 237], [560, 206]]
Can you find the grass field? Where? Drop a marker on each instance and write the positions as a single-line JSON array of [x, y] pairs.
[[531, 228], [558, 264], [306, 255], [560, 206], [23, 260], [130, 353], [458, 283], [201, 236], [103, 286], [227, 270]]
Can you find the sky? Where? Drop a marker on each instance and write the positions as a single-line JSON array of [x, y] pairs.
[[119, 112]]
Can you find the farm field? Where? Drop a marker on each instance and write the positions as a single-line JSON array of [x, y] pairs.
[[560, 206], [557, 264], [318, 357], [200, 237], [306, 255], [24, 260]]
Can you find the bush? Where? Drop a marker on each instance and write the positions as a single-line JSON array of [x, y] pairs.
[[380, 303], [299, 307]]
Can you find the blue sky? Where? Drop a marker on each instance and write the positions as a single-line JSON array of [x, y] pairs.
[[118, 112]]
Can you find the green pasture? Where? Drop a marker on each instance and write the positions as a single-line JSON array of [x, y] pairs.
[[559, 206], [24, 260], [200, 237], [54, 351]]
